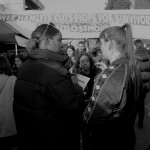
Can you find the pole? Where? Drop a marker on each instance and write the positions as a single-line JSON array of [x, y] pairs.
[[16, 49]]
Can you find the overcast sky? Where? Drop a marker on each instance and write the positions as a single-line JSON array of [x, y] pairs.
[[51, 4]]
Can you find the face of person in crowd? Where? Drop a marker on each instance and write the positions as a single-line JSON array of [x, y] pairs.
[[84, 63], [70, 52], [104, 48], [81, 47], [18, 62], [55, 43], [86, 44]]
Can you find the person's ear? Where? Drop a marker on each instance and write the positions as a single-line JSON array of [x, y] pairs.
[[43, 44], [48, 43], [109, 44]]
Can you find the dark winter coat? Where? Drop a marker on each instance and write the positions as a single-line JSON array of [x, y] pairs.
[[111, 112], [46, 103], [143, 64]]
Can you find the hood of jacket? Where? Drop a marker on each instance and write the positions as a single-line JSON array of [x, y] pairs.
[[48, 54]]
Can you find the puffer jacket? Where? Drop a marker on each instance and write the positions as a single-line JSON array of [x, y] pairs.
[[143, 64], [46, 103]]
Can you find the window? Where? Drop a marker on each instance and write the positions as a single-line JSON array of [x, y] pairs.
[[33, 5]]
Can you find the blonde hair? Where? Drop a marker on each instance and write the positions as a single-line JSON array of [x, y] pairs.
[[122, 35]]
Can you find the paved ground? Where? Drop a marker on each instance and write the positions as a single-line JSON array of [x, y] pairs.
[[143, 135]]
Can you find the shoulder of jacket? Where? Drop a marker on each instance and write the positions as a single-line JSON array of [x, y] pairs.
[[58, 67], [63, 71]]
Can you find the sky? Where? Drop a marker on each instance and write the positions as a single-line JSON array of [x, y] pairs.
[[58, 4]]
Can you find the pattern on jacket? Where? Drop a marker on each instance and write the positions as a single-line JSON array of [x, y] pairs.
[[99, 83]]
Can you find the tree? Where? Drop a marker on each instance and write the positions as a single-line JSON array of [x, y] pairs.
[[118, 4], [4, 7]]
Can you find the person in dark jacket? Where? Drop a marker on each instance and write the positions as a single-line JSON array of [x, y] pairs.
[[46, 102], [143, 64], [85, 65], [112, 109]]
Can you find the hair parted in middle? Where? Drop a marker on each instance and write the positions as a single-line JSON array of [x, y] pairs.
[[92, 62], [43, 30]]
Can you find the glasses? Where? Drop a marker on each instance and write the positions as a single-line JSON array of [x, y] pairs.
[[44, 36], [50, 24]]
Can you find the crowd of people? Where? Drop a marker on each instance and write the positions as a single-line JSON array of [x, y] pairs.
[[43, 107]]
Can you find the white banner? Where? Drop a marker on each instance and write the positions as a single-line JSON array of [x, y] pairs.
[[80, 24]]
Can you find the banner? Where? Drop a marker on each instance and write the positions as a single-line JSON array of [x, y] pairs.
[[80, 18], [81, 24]]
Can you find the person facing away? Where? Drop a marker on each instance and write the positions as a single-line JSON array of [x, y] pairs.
[[143, 63], [46, 102], [111, 112], [8, 132]]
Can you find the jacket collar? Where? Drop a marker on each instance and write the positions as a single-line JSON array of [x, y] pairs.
[[48, 54], [121, 60]]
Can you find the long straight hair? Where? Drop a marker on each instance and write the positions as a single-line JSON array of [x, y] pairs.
[[122, 35]]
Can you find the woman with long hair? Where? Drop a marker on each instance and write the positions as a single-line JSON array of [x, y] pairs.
[[111, 112], [85, 65]]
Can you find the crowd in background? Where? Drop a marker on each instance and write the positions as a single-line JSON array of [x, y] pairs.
[[72, 50], [50, 110]]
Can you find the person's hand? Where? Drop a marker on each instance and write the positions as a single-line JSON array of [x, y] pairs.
[[74, 79], [101, 65]]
